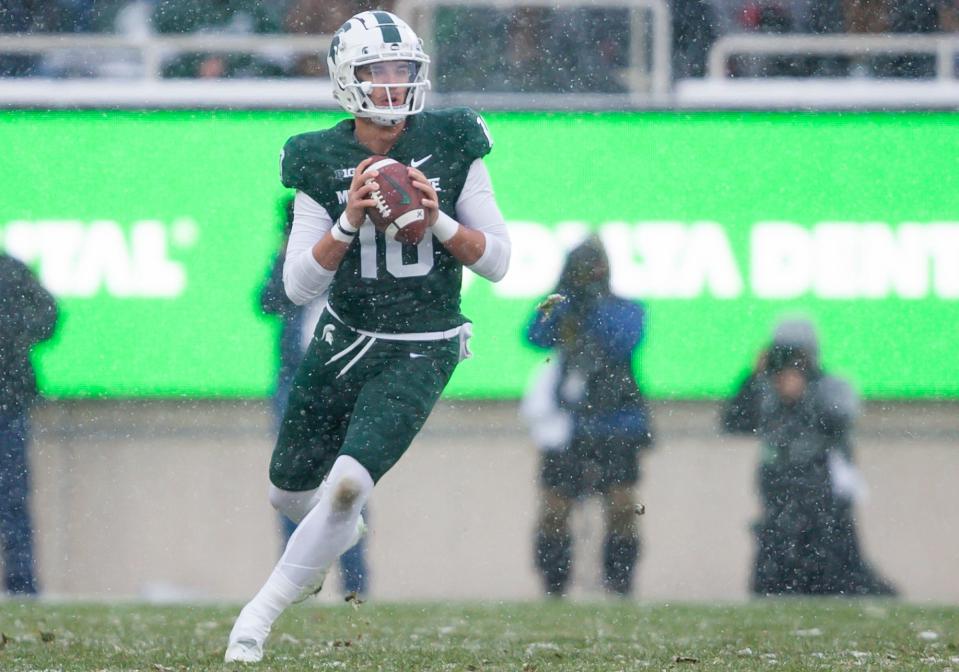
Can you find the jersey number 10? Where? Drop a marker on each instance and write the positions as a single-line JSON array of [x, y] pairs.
[[395, 265]]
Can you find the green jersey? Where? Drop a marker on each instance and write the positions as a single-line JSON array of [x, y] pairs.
[[383, 285]]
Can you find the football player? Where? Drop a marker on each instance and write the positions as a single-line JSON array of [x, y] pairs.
[[392, 331]]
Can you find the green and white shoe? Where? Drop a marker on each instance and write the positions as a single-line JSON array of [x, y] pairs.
[[245, 650]]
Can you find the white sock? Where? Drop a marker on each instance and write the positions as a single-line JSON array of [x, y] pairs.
[[258, 616], [329, 528], [321, 537]]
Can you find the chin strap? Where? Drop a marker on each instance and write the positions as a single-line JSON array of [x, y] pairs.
[[385, 121]]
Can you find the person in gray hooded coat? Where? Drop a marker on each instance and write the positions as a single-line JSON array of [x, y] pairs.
[[806, 537]]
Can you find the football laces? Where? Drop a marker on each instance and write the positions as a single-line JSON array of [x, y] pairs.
[[381, 205]]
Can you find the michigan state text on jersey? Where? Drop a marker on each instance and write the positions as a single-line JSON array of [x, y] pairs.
[[392, 332]]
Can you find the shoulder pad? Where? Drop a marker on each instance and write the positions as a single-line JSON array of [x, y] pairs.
[[299, 159], [471, 132]]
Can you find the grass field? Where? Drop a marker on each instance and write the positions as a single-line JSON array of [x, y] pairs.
[[789, 634]]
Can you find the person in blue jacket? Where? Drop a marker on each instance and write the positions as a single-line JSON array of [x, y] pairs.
[[600, 421]]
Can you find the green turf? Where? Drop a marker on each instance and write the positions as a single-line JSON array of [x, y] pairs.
[[788, 634]]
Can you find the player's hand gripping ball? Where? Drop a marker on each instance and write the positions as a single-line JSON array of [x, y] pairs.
[[399, 212]]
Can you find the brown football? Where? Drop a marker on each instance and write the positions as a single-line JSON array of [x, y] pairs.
[[399, 212]]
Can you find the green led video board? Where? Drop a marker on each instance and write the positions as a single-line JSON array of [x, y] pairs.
[[155, 229]]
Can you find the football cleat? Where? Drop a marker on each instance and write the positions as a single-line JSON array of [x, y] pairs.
[[247, 637], [246, 650]]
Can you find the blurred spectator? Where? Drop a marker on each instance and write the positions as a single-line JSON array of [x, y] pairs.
[[69, 16], [594, 43], [18, 16], [532, 49], [323, 17], [768, 16], [914, 16], [46, 16], [530, 65], [40, 16], [588, 417], [806, 537], [882, 16], [467, 64], [695, 28], [949, 16], [523, 49], [865, 16], [90, 16], [326, 16], [839, 16], [28, 314], [230, 17], [296, 331]]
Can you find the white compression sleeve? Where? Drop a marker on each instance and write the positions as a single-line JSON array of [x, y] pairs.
[[328, 530], [303, 277], [330, 526], [476, 209]]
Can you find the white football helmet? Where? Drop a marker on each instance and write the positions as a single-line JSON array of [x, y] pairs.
[[371, 37]]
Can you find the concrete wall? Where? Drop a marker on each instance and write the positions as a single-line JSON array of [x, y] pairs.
[[167, 500]]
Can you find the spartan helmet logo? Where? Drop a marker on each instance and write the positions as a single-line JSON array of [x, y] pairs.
[[327, 334]]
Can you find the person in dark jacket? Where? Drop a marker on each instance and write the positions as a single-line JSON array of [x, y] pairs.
[[694, 32], [28, 314], [218, 17], [806, 540], [601, 422], [296, 328]]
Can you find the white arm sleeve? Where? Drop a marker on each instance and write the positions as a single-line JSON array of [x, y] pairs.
[[476, 209], [304, 279]]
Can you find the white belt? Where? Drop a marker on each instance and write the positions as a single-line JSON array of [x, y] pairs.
[[421, 336]]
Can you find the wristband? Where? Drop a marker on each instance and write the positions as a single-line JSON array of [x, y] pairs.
[[342, 230], [445, 227]]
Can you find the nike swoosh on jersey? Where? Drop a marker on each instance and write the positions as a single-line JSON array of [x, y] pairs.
[[416, 164], [416, 355]]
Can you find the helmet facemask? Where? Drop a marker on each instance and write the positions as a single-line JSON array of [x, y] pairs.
[[361, 43]]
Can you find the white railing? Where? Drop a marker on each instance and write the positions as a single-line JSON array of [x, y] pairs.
[[943, 47], [645, 78], [150, 50]]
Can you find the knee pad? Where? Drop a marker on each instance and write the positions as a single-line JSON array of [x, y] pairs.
[[293, 505], [349, 484]]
